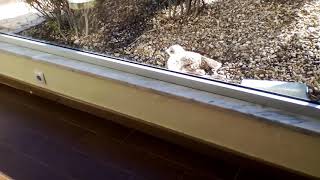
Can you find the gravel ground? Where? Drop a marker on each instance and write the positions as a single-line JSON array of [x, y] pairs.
[[254, 39]]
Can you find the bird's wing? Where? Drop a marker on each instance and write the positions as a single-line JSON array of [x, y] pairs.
[[188, 62], [195, 56], [207, 62], [173, 64], [191, 66]]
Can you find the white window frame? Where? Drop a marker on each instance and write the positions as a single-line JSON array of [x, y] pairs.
[[226, 89]]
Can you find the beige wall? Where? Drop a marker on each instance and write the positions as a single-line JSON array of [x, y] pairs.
[[275, 144]]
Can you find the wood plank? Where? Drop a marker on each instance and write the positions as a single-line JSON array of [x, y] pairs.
[[195, 164], [16, 165], [60, 157], [124, 156], [49, 117]]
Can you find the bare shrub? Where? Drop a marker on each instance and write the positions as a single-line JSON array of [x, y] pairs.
[[64, 18], [186, 7]]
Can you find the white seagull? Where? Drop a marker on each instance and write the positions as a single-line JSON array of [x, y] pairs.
[[190, 62]]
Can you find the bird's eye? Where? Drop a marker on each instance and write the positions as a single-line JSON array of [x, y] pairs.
[[171, 51]]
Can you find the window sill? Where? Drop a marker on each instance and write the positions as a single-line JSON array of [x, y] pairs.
[[228, 110], [267, 114]]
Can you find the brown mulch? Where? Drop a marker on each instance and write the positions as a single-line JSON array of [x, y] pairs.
[[254, 39]]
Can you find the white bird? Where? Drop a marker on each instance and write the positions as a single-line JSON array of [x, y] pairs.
[[190, 62]]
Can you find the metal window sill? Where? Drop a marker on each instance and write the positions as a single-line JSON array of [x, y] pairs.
[[280, 117]]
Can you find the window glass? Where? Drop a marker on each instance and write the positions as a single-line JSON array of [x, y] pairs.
[[270, 45]]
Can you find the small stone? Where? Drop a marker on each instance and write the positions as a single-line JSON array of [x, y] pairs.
[[273, 56], [310, 53], [311, 29], [263, 53], [245, 55], [271, 51], [77, 42], [116, 54], [159, 63]]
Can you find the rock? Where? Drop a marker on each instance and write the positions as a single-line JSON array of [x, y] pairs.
[[159, 63], [273, 56], [310, 53], [263, 53], [311, 29], [309, 72], [77, 42], [293, 54]]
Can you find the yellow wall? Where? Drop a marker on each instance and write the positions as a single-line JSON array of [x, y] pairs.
[[272, 143]]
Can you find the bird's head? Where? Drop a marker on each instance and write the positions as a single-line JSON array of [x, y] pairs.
[[175, 50]]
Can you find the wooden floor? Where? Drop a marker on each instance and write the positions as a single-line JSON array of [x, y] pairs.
[[40, 139]]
